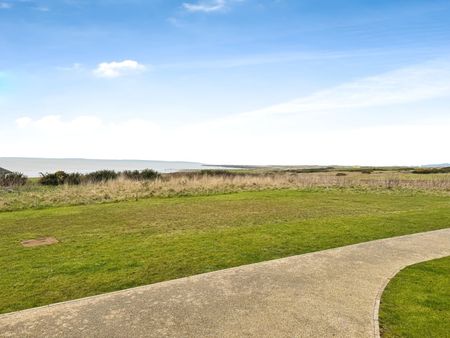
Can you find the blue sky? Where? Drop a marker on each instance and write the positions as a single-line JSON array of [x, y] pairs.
[[227, 81]]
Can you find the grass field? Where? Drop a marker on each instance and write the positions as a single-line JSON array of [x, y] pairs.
[[106, 247], [416, 303]]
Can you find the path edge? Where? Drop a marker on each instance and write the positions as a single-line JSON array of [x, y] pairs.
[[377, 303]]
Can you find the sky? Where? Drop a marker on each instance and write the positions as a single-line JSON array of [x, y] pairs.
[[349, 82]]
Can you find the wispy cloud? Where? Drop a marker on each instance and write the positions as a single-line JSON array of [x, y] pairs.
[[73, 67], [42, 9], [118, 68], [28, 4], [5, 5], [416, 83], [207, 6], [284, 57], [271, 58]]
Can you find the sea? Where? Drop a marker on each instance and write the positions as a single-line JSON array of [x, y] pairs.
[[32, 167]]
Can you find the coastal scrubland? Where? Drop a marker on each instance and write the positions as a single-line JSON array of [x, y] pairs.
[[123, 188]]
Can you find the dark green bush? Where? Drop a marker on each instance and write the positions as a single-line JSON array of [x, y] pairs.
[[60, 178], [56, 178], [149, 174], [48, 179], [217, 172], [73, 179], [12, 179], [134, 175], [143, 175], [341, 174], [101, 176]]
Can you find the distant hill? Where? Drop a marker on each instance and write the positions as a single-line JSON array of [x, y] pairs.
[[3, 171], [440, 165]]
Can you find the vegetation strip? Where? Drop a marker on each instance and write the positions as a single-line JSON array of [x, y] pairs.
[[63, 189]]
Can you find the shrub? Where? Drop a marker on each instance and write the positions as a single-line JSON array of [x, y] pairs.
[[149, 174], [12, 179], [101, 176], [341, 174], [73, 179], [134, 175], [60, 178], [217, 172], [144, 175], [53, 179]]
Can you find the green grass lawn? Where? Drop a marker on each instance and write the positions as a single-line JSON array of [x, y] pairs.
[[114, 246], [416, 303]]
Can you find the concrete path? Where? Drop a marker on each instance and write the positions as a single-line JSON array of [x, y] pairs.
[[331, 293]]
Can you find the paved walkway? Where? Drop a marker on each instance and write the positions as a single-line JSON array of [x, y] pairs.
[[331, 293]]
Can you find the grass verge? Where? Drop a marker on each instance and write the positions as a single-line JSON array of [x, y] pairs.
[[416, 303], [107, 247]]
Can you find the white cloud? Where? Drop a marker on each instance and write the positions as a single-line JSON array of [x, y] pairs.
[[249, 142], [420, 82], [308, 130], [5, 5], [84, 136], [205, 6], [118, 68], [73, 67], [23, 122], [43, 9]]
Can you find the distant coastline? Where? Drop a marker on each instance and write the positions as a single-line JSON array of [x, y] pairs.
[[32, 167]]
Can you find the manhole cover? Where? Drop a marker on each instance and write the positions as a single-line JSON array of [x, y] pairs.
[[39, 242]]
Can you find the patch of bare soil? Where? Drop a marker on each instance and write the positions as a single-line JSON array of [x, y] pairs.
[[39, 242]]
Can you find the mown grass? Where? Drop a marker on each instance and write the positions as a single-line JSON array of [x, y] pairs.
[[106, 247], [416, 303]]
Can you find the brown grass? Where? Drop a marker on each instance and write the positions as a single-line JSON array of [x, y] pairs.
[[31, 243], [179, 184]]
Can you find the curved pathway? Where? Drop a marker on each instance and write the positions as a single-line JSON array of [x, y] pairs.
[[331, 293]]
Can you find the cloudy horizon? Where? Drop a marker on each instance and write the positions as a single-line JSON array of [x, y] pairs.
[[226, 82]]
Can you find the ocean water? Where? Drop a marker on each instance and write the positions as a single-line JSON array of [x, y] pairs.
[[32, 167]]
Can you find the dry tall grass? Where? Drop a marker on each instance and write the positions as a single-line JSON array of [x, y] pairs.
[[176, 185]]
